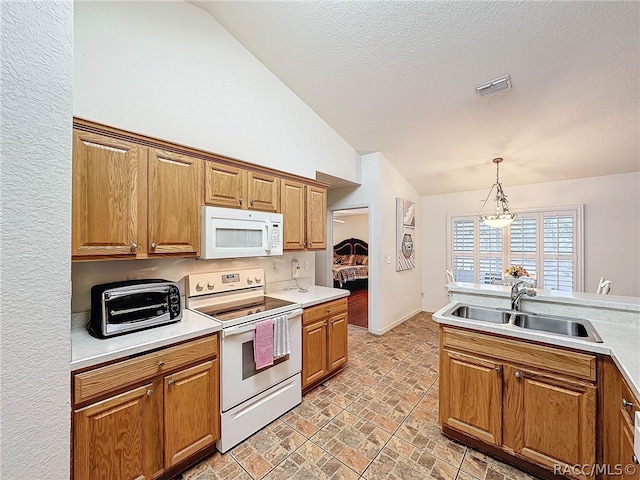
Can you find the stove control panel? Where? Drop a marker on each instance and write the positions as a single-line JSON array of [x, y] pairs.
[[224, 281]]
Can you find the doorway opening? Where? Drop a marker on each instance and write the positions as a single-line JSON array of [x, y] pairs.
[[350, 265]]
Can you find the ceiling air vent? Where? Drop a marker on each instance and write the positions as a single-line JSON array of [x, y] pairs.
[[493, 86]]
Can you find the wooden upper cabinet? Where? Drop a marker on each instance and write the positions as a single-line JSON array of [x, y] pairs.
[[263, 192], [292, 201], [471, 396], [316, 217], [225, 186], [233, 187], [175, 196], [109, 195]]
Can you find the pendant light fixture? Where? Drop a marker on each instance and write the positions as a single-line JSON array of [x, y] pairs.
[[503, 216]]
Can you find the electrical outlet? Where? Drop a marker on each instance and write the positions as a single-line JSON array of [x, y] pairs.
[[306, 265]]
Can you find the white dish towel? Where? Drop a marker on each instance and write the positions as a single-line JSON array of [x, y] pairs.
[[281, 338]]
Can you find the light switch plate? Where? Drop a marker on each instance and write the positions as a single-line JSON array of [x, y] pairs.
[[636, 436]]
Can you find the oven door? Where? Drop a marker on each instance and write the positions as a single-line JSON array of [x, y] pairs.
[[239, 378]]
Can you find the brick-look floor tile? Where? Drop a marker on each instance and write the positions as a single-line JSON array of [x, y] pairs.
[[352, 440]]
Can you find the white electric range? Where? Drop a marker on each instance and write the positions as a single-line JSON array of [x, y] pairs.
[[249, 398]]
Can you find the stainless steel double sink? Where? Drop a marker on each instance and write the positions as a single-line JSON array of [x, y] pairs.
[[552, 324]]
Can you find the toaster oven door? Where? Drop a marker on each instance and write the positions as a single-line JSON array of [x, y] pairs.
[[136, 309]]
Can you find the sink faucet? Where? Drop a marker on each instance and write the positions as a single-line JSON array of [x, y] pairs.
[[518, 290]]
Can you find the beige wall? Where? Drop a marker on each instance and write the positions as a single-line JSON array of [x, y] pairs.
[[611, 228], [355, 226]]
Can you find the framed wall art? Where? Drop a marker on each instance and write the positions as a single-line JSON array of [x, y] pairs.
[[405, 235]]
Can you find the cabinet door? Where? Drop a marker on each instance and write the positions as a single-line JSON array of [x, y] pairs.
[[175, 196], [108, 195], [628, 460], [316, 217], [118, 438], [292, 206], [191, 413], [338, 335], [471, 396], [263, 192], [314, 352], [556, 419], [225, 186]]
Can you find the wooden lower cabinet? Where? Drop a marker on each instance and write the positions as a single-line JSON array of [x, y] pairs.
[[543, 418], [617, 407], [156, 425], [554, 418], [324, 341], [191, 411], [471, 393], [118, 438]]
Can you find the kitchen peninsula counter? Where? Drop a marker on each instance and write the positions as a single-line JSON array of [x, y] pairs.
[[615, 318]]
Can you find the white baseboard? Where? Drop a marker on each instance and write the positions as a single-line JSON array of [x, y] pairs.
[[396, 323]]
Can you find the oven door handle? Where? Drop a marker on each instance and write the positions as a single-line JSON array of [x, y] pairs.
[[228, 332]]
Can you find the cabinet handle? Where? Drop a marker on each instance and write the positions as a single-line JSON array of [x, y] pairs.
[[134, 246], [634, 459], [325, 324], [251, 202], [626, 403], [328, 310], [154, 245], [171, 382], [518, 375], [149, 392], [161, 363], [498, 369], [240, 200], [304, 244]]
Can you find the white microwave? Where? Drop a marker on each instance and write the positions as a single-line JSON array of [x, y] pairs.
[[233, 233]]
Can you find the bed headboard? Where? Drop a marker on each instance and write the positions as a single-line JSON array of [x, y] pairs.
[[351, 246]]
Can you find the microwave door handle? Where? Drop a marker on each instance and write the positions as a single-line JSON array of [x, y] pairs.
[[267, 231]]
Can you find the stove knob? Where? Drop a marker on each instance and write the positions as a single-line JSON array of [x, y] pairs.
[[258, 280], [210, 285], [249, 281], [199, 286]]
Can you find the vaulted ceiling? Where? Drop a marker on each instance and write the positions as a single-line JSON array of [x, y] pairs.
[[399, 77]]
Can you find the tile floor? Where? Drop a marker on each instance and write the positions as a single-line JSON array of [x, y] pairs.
[[377, 419]]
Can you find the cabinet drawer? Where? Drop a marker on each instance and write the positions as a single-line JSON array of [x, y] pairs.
[[102, 380], [576, 364], [312, 314]]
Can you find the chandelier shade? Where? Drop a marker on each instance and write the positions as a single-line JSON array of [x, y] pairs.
[[502, 216]]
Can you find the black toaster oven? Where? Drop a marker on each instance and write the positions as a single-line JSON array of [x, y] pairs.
[[132, 305]]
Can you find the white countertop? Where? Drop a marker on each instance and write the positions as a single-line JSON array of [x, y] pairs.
[[615, 318], [87, 351], [316, 294]]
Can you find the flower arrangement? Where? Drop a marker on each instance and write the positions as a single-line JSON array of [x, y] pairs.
[[516, 271]]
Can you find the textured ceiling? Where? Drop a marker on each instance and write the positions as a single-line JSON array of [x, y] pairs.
[[398, 78]]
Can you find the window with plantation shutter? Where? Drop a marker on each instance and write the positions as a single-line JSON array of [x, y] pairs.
[[523, 243], [559, 251], [463, 232], [548, 243], [489, 253]]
